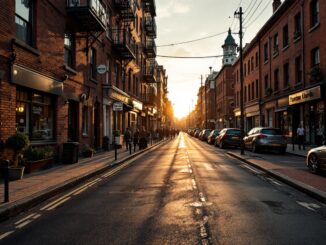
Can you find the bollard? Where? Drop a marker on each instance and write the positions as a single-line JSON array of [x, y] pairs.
[[6, 180], [115, 151]]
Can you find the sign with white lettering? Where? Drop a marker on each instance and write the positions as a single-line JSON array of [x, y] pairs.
[[117, 106], [101, 69], [306, 95]]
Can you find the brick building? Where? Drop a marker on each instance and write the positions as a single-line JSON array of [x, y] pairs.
[[50, 87], [290, 71]]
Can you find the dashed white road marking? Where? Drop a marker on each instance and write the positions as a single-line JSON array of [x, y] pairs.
[[274, 181], [23, 224], [208, 167], [26, 218], [6, 234], [251, 169], [36, 216], [310, 206]]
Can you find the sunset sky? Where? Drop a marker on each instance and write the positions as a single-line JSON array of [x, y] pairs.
[[184, 20]]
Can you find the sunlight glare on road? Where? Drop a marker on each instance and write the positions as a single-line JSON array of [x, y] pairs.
[[182, 142]]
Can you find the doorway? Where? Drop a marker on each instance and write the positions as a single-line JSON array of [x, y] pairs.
[[72, 121]]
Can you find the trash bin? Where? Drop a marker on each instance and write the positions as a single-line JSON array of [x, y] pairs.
[[70, 152]]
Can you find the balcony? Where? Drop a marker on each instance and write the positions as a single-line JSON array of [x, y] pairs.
[[123, 44], [150, 48], [150, 26], [149, 73], [149, 7], [127, 9], [86, 15], [149, 99]]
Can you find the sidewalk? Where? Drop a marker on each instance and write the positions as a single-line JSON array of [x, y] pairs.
[[295, 150], [37, 187], [295, 176]]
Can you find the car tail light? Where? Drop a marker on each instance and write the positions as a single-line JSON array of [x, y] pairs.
[[262, 136]]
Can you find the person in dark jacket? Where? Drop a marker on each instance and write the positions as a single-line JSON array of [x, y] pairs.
[[136, 138]]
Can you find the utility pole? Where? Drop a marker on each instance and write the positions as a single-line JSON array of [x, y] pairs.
[[240, 14]]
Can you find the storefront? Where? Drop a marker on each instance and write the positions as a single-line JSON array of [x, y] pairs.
[[36, 97], [252, 117], [307, 108]]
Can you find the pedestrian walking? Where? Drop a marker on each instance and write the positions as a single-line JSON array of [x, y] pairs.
[[300, 134], [136, 138], [127, 137]]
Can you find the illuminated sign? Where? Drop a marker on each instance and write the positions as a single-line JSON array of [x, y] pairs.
[[306, 95]]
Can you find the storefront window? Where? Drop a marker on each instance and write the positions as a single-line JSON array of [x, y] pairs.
[[34, 115]]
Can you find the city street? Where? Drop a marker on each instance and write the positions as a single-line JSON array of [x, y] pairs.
[[185, 192]]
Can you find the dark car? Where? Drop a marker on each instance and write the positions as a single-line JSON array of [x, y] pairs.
[[197, 132], [228, 137], [204, 134], [316, 159], [265, 138], [212, 136]]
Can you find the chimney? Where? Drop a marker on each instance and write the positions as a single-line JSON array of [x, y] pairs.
[[276, 5], [210, 70]]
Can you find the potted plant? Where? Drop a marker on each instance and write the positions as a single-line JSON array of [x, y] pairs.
[[88, 151], [17, 143], [38, 158]]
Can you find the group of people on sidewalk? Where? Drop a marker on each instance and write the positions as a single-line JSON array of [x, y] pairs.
[[142, 137]]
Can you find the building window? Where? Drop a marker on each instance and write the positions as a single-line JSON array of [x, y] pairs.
[[286, 74], [23, 19], [297, 26], [266, 52], [248, 66], [257, 59], [245, 94], [275, 44], [108, 72], [85, 120], [257, 89], [92, 63], [252, 90], [298, 70], [34, 114], [285, 36], [252, 63], [109, 23], [266, 83], [69, 50], [315, 58], [314, 13], [276, 80], [249, 92]]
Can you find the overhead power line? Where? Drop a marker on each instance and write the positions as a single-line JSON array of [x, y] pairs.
[[189, 57], [250, 8], [254, 11], [263, 10], [193, 40]]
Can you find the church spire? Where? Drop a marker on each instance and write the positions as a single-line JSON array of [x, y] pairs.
[[229, 49]]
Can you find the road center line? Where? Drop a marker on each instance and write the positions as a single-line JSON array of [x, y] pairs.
[[6, 234], [23, 224], [57, 204], [26, 218]]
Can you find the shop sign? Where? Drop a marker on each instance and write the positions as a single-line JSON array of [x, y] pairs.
[[137, 105], [117, 96], [37, 110], [306, 95], [117, 106]]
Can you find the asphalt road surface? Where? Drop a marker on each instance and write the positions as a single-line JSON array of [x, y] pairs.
[[185, 192]]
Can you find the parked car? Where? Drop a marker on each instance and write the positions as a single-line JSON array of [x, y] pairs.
[[197, 132], [204, 134], [228, 137], [265, 138], [212, 136], [316, 159]]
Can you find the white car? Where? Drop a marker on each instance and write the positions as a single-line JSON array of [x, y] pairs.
[[316, 159]]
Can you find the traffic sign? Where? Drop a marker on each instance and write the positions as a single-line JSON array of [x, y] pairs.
[[101, 69]]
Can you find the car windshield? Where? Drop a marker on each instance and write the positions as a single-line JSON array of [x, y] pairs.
[[233, 132], [272, 131]]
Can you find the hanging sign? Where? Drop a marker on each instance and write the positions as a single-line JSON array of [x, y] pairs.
[[101, 69], [117, 106]]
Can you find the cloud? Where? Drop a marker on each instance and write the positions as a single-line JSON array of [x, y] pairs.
[[173, 7]]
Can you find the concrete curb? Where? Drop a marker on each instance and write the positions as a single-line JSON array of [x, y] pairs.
[[309, 190], [295, 154], [22, 205]]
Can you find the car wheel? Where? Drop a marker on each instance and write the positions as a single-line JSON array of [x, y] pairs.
[[313, 163], [254, 148]]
